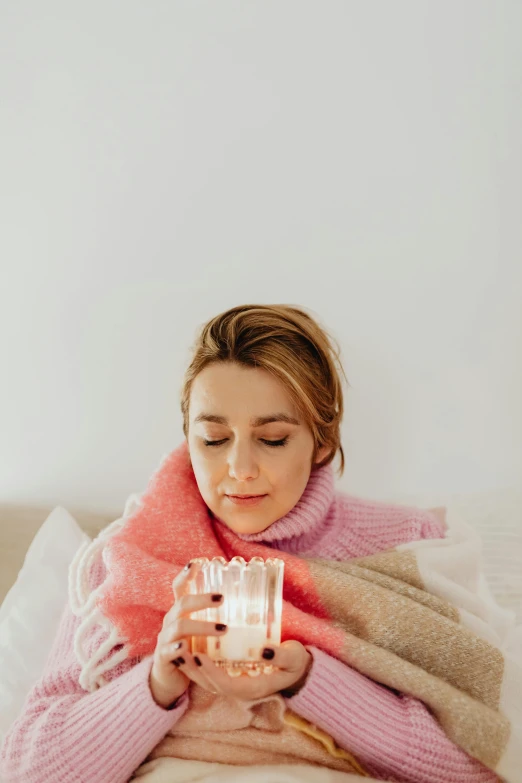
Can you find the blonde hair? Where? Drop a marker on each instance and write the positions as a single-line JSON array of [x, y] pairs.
[[288, 343]]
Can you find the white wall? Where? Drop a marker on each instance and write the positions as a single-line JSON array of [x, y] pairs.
[[163, 161]]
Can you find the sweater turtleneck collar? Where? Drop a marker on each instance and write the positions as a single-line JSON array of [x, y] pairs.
[[306, 520]]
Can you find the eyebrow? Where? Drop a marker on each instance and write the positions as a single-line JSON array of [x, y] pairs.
[[256, 421]]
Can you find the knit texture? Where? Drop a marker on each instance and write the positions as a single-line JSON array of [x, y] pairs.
[[67, 735]]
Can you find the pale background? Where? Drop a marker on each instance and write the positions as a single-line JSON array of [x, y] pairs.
[[163, 161]]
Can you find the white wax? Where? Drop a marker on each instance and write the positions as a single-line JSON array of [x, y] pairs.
[[242, 643]]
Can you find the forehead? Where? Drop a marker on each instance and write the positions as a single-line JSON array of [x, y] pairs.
[[237, 392]]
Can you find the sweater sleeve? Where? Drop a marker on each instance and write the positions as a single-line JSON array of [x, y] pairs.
[[390, 734], [68, 735]]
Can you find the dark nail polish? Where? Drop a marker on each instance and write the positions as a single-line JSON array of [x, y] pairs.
[[176, 664], [217, 597], [177, 645], [197, 661], [220, 627], [179, 661], [268, 654], [189, 565]]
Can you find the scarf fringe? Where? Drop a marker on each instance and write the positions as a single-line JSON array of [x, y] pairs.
[[83, 604]]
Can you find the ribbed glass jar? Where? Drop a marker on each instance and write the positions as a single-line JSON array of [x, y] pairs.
[[251, 608]]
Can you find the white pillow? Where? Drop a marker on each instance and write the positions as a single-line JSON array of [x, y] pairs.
[[31, 611]]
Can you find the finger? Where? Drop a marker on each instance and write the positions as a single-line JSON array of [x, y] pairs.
[[215, 677], [184, 627], [180, 656], [192, 667], [290, 656], [192, 603], [181, 581], [169, 652]]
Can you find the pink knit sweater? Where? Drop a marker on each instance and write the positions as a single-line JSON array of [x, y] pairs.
[[69, 736]]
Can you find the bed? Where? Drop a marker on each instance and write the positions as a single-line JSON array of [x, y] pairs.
[[37, 544]]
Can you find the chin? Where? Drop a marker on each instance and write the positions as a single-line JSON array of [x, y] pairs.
[[245, 527]]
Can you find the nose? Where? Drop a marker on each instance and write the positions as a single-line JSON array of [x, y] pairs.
[[242, 464]]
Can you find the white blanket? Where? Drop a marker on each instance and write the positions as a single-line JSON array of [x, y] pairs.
[[169, 770]]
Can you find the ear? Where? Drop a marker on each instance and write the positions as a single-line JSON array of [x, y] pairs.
[[321, 454]]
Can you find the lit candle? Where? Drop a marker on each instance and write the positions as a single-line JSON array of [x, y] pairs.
[[242, 643], [251, 609]]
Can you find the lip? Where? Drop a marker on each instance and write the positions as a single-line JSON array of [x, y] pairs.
[[246, 501]]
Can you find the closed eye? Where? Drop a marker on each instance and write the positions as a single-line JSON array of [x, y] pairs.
[[281, 442]]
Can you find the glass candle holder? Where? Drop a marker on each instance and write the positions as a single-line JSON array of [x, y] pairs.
[[251, 608]]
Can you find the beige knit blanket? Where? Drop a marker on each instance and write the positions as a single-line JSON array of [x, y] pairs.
[[412, 619]]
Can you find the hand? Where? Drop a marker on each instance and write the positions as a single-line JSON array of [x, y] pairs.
[[292, 660], [167, 680]]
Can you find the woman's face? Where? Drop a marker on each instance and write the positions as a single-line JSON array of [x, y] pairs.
[[232, 405]]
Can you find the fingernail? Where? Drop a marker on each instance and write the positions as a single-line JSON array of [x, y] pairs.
[[221, 627], [175, 663], [217, 597], [177, 645], [268, 654], [179, 660], [196, 659], [189, 565]]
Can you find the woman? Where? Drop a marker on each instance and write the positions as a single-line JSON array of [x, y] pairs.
[[262, 406]]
